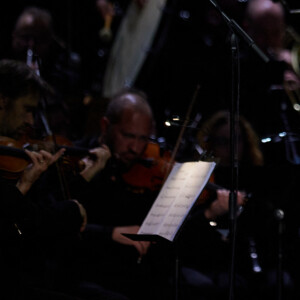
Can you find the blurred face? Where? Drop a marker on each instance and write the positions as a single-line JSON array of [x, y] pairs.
[[221, 144], [129, 138], [15, 118], [267, 27], [31, 34]]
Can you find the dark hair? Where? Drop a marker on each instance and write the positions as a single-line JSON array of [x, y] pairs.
[[17, 80], [122, 100]]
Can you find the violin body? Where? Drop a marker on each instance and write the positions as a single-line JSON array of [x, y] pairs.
[[152, 170], [13, 158], [209, 191]]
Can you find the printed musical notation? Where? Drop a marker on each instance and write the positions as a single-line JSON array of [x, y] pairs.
[[180, 191]]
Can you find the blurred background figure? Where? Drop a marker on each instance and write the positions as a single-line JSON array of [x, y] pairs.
[[35, 43], [214, 138], [270, 91]]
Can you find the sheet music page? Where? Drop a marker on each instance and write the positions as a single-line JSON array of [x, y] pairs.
[[180, 191]]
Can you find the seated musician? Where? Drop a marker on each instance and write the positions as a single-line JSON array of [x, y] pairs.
[[206, 240], [36, 230], [115, 206]]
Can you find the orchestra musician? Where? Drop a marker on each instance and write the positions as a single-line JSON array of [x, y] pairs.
[[206, 264], [37, 230], [115, 206], [117, 203]]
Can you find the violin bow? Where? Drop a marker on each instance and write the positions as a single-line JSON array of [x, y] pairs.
[[35, 65], [181, 133]]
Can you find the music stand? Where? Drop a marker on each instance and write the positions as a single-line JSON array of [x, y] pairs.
[[158, 239]]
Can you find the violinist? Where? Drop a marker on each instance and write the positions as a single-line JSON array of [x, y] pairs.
[[115, 206], [36, 229]]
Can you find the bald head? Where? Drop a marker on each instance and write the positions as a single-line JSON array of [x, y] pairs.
[[132, 100], [265, 23]]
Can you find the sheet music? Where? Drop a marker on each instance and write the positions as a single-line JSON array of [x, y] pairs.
[[180, 191]]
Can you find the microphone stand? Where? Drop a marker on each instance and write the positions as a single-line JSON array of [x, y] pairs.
[[236, 31], [279, 216]]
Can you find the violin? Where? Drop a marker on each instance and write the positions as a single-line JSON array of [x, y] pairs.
[[14, 159], [209, 191], [151, 170]]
